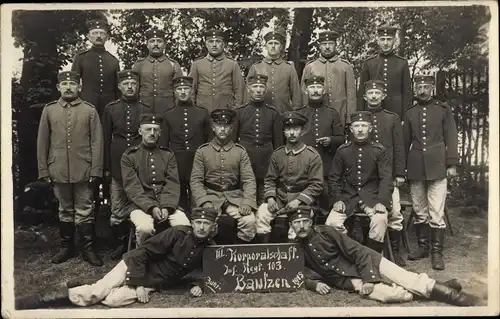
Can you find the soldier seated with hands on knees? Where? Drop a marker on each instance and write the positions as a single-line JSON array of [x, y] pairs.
[[335, 260], [151, 181]]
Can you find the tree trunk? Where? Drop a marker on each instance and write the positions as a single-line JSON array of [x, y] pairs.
[[300, 37]]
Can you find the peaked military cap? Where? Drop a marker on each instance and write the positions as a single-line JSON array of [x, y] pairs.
[[213, 33], [182, 80], [386, 30], [277, 34], [292, 118], [154, 33], [257, 78], [68, 76], [97, 24], [424, 79], [300, 212], [150, 118], [361, 116], [204, 213], [314, 79], [374, 84], [223, 116], [128, 75], [327, 36]]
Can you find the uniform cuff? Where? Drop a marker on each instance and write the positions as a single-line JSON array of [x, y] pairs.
[[43, 174], [131, 281], [96, 172], [311, 284], [270, 194], [305, 199]]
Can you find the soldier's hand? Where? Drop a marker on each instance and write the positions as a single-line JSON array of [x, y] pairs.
[[339, 206], [325, 141], [164, 213], [107, 173], [47, 180], [367, 288], [93, 180], [196, 291], [207, 205], [399, 181], [142, 294], [451, 172], [293, 204], [245, 210], [379, 208], [156, 212], [272, 206], [322, 288]]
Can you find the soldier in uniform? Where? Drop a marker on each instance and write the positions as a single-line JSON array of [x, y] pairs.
[[325, 129], [294, 177], [361, 181], [390, 68], [259, 130], [69, 154], [97, 68], [217, 80], [187, 127], [151, 182], [283, 86], [120, 126], [157, 72], [222, 176], [341, 262], [340, 84], [387, 131], [431, 142], [160, 263]]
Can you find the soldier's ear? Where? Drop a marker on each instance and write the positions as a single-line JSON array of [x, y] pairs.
[[365, 97], [58, 87]]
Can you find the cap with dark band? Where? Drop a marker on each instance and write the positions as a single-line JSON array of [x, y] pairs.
[[204, 213], [257, 78], [182, 81], [314, 79], [374, 84], [387, 30], [424, 79], [278, 34], [361, 116], [150, 118], [293, 118], [223, 116], [68, 76], [327, 36], [213, 33], [155, 33], [128, 75], [300, 212], [97, 24]]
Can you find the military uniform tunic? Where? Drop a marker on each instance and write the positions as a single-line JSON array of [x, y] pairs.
[[431, 139], [165, 258], [223, 173], [260, 132], [217, 83], [283, 87], [340, 84], [150, 178], [156, 77], [98, 70], [121, 130], [361, 172], [394, 71], [323, 121], [294, 174]]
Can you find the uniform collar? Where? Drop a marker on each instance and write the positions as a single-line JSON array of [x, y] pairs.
[[296, 150], [98, 49], [317, 105], [149, 148], [218, 147], [365, 142], [64, 103], [423, 103], [188, 103], [277, 61], [382, 54], [332, 59], [160, 58], [258, 104], [219, 58], [375, 110]]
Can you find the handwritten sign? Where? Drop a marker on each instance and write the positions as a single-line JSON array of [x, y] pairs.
[[253, 268]]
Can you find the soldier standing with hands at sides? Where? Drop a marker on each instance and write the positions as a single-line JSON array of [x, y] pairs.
[[156, 73], [217, 80], [120, 125], [340, 84], [151, 182], [294, 177], [222, 176], [361, 181], [283, 86], [69, 154], [187, 127], [259, 130], [324, 131], [431, 144], [388, 131], [390, 68]]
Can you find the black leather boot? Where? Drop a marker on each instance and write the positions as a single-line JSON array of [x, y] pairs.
[[239, 241], [452, 283], [375, 245], [86, 235], [67, 231], [437, 240], [120, 234], [53, 298], [395, 238], [452, 296], [263, 238], [422, 231]]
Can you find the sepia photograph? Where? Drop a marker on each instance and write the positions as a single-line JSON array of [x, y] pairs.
[[249, 159]]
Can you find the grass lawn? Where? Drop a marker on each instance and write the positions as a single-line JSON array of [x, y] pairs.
[[465, 257]]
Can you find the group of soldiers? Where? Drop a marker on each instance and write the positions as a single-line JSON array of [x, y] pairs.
[[180, 151]]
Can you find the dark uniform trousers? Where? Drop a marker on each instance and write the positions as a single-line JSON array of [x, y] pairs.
[[162, 260]]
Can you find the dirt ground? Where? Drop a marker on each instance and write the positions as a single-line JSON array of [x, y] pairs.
[[465, 257]]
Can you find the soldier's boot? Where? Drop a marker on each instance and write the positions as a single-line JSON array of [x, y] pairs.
[[120, 234], [239, 241], [395, 238], [452, 283], [437, 240], [375, 245], [263, 238], [451, 296], [422, 231], [53, 298], [67, 232], [86, 235]]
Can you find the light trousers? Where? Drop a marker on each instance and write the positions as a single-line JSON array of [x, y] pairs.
[[144, 223], [395, 218], [378, 224], [246, 224], [429, 199]]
